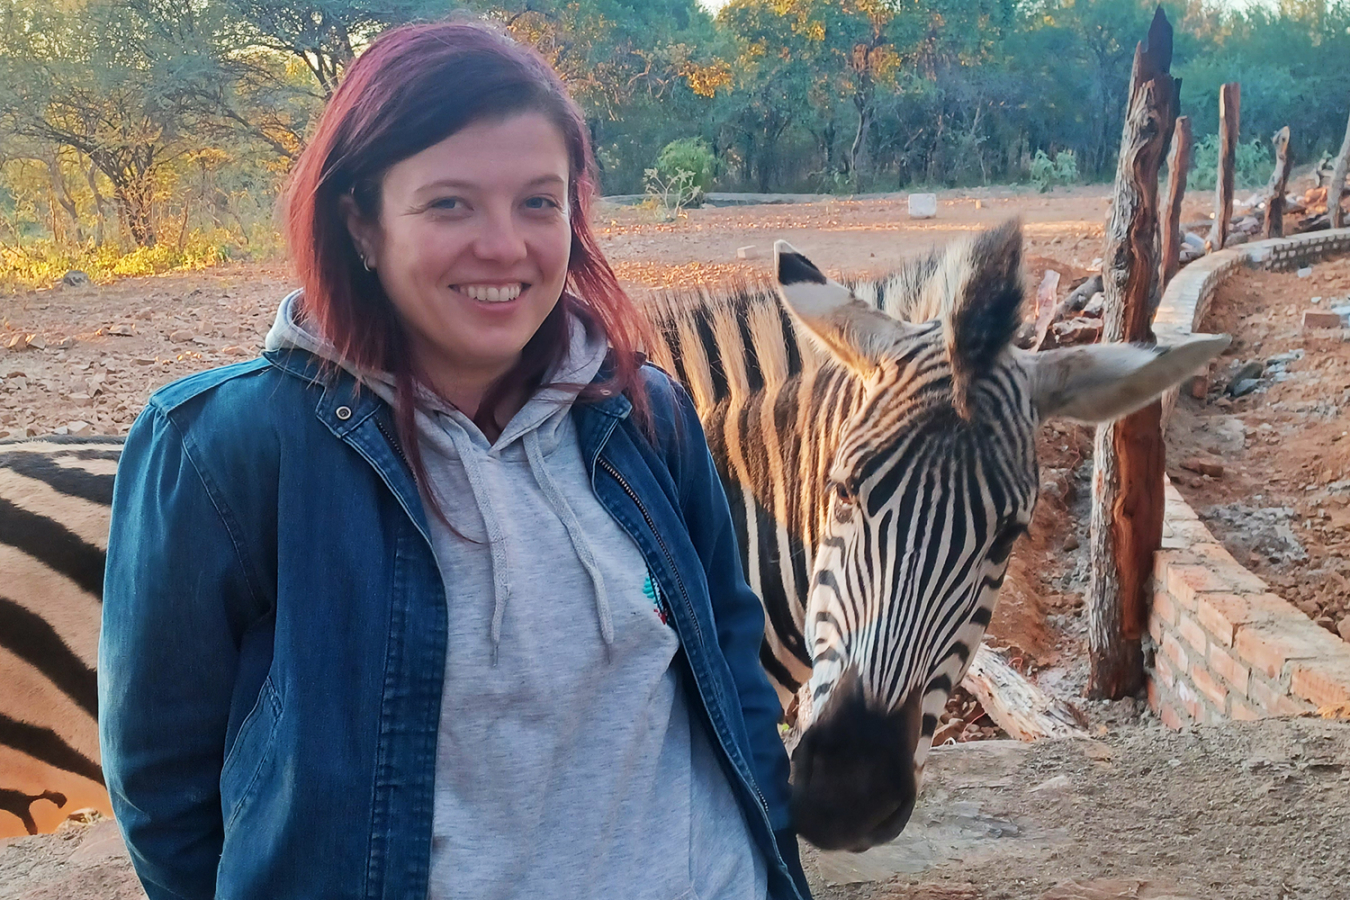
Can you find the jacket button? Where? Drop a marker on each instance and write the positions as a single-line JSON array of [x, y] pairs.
[[344, 412]]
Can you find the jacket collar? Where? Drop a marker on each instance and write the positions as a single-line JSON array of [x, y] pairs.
[[344, 405]]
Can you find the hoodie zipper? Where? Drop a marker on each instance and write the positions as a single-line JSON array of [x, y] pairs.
[[689, 608]]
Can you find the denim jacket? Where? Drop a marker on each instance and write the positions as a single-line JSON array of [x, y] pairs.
[[274, 632]]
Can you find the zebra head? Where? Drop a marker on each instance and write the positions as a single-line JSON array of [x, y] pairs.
[[933, 480]]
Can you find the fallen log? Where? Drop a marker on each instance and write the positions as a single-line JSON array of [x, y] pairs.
[[1016, 704]]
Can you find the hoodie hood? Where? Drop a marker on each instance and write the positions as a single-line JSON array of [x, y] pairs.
[[454, 449]]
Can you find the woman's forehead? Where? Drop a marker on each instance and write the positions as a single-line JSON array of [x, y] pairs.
[[521, 151]]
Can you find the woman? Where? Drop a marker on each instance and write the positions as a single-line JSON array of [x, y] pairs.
[[440, 597]]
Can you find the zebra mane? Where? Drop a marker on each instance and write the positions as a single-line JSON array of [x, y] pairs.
[[974, 286]]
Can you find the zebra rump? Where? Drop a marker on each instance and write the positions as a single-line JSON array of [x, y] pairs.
[[55, 498]]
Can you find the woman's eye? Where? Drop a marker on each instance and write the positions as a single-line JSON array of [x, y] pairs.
[[541, 203], [447, 203]]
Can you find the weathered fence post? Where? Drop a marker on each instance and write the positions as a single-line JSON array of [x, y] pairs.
[[1279, 183], [1230, 106], [1178, 164], [1127, 486], [1337, 183]]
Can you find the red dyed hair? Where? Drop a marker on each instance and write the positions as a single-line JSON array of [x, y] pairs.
[[412, 88]]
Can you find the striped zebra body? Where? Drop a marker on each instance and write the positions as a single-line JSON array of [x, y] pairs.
[[772, 407], [55, 497]]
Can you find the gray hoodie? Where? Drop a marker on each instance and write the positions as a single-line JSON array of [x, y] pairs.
[[568, 765]]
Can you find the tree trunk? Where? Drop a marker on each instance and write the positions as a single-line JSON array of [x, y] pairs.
[[62, 194], [1336, 186], [1178, 164], [1279, 182], [133, 209], [1127, 486], [100, 207], [1230, 105]]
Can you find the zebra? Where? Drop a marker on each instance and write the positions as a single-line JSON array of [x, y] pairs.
[[877, 442], [55, 499]]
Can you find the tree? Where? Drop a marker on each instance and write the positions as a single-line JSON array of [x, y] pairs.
[[82, 79]]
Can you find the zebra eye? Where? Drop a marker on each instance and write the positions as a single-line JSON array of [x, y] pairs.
[[844, 501]]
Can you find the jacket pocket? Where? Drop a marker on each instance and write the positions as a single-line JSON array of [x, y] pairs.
[[244, 763]]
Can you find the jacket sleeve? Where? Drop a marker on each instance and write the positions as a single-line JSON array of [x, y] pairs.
[[174, 592]]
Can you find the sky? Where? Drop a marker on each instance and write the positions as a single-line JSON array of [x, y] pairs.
[[714, 5]]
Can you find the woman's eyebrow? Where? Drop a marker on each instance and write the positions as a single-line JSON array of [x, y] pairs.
[[458, 184]]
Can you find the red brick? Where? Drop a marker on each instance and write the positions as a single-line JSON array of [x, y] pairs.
[[1229, 669], [1190, 529], [1171, 718], [1269, 647], [1241, 712], [1207, 686], [1154, 698], [1163, 668], [1193, 634], [1155, 624], [1273, 701], [1184, 582], [1222, 614], [1317, 318], [1165, 606], [1322, 682], [1173, 650], [1213, 555], [1190, 703]]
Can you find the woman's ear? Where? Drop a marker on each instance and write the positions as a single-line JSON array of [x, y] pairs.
[[365, 233]]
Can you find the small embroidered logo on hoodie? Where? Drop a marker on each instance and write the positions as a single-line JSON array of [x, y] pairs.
[[654, 594]]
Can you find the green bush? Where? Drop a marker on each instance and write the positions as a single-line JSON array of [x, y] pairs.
[[1251, 164], [1046, 173], [691, 155]]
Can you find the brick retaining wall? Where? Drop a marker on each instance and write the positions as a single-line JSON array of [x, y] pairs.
[[1223, 645]]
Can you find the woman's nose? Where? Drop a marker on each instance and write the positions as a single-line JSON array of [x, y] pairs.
[[500, 239]]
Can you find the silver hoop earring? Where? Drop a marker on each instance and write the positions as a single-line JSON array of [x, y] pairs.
[[366, 265]]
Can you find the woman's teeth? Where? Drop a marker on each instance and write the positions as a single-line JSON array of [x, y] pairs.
[[489, 294]]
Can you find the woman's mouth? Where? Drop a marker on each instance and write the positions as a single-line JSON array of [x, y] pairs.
[[490, 293]]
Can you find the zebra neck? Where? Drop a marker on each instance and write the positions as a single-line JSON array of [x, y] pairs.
[[774, 448]]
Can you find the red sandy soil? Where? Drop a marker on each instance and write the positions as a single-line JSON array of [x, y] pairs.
[[1281, 504]]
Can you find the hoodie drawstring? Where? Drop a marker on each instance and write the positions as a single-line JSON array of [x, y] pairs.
[[535, 456], [501, 582]]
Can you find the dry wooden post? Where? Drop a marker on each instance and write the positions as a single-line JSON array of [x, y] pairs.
[[1279, 183], [1178, 164], [1336, 185], [1230, 104], [1127, 485]]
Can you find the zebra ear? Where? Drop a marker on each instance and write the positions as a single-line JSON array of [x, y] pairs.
[[857, 334], [1103, 382]]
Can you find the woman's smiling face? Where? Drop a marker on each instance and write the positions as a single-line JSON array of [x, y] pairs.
[[471, 246]]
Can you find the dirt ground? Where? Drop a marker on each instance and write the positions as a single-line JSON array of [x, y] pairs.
[[1245, 812], [1280, 497]]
